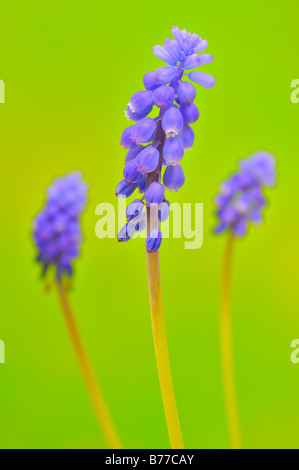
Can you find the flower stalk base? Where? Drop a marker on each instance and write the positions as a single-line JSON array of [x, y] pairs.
[[159, 334], [226, 350], [96, 395]]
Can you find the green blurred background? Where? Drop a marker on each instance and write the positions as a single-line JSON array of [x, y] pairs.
[[69, 70]]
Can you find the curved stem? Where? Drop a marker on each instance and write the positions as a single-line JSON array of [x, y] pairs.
[[95, 392], [226, 350], [160, 341]]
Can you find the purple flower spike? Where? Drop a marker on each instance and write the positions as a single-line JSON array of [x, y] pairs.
[[147, 160], [143, 131], [154, 193], [153, 241], [174, 178], [168, 135], [57, 232], [172, 122], [241, 199]]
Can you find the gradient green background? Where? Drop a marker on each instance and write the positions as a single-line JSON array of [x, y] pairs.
[[69, 69]]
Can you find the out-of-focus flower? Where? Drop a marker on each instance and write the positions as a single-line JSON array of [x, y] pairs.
[[169, 135], [241, 198], [57, 232]]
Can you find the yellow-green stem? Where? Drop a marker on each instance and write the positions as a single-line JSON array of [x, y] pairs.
[[96, 395], [159, 333], [227, 350]]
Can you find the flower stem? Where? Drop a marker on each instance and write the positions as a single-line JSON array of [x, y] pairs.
[[160, 341], [226, 350], [96, 395]]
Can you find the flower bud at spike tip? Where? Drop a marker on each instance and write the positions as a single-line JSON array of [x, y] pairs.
[[141, 101], [173, 150], [189, 112], [172, 122], [163, 97], [153, 241], [206, 59], [124, 189], [201, 46], [187, 136], [131, 174], [203, 79], [193, 61], [147, 160], [174, 178], [172, 49], [154, 194], [186, 92], [161, 53], [143, 131]]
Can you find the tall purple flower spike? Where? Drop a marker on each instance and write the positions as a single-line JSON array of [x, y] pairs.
[[169, 135], [241, 198], [57, 232]]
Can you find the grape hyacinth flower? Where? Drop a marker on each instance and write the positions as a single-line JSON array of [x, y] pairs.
[[155, 145], [240, 202], [241, 198], [57, 231], [57, 235], [170, 135]]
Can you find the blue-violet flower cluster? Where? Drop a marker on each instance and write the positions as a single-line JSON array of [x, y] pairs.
[[57, 232], [241, 198], [154, 143]]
